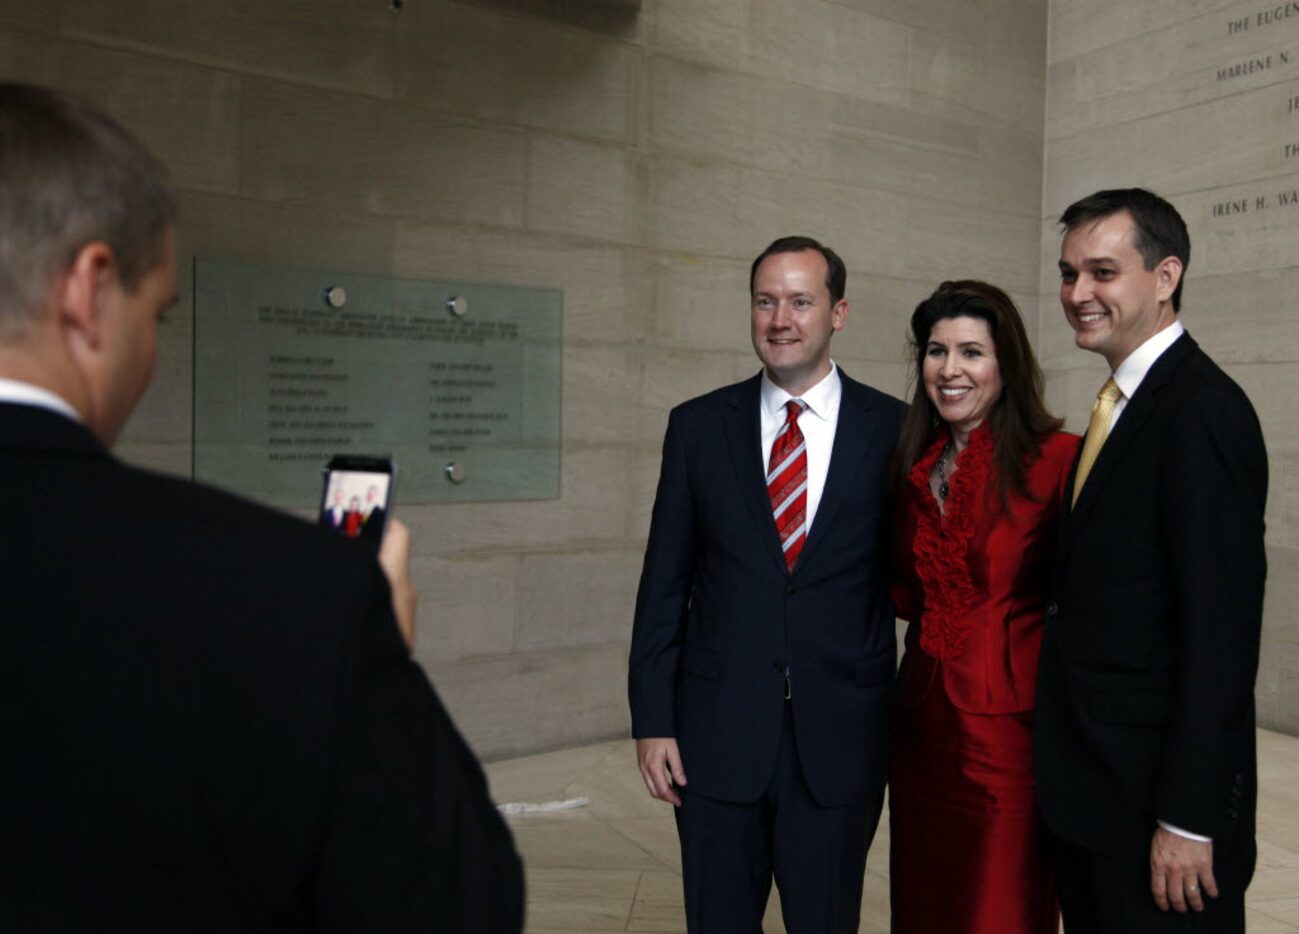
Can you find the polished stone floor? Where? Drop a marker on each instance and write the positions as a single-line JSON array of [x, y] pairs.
[[609, 861]]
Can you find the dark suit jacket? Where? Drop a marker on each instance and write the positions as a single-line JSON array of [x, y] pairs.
[[210, 721], [372, 527], [1146, 681], [719, 618]]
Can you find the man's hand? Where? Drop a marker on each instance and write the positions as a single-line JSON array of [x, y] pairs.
[[660, 766], [1181, 871], [394, 558]]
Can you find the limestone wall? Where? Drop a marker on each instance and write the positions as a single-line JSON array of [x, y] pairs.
[[638, 163]]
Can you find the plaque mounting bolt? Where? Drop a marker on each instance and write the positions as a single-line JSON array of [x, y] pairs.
[[455, 472], [458, 305], [335, 296]]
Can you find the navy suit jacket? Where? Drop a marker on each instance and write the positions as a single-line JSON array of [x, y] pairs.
[[211, 722], [719, 618], [1145, 699]]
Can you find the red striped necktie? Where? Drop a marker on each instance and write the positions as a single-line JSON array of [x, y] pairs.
[[787, 483]]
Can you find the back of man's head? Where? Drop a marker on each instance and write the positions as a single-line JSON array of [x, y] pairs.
[[1158, 231], [69, 176]]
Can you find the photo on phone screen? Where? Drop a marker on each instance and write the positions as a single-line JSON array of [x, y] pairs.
[[355, 500]]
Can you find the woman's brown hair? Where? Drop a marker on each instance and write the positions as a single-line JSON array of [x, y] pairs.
[[1019, 420]]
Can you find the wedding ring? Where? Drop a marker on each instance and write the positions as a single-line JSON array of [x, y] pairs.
[[1192, 888]]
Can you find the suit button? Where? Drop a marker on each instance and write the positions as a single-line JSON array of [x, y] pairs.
[[1052, 609], [777, 667], [790, 589]]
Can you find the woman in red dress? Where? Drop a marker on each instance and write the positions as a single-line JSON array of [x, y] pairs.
[[981, 471]]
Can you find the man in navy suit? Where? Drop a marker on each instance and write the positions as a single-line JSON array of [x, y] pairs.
[[762, 654], [1145, 706]]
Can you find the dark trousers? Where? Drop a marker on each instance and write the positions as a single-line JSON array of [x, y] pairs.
[[1110, 894], [729, 853]]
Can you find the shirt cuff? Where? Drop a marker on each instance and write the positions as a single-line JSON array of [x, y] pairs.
[[1185, 833]]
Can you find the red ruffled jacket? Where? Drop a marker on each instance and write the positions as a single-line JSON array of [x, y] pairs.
[[973, 582]]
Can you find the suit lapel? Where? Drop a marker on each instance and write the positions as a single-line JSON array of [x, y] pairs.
[[744, 439], [1135, 413], [853, 440]]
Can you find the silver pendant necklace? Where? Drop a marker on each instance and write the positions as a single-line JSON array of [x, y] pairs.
[[943, 459]]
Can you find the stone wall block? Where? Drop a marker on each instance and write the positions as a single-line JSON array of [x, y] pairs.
[[466, 604], [1199, 147], [693, 206], [1237, 318], [328, 43], [957, 20], [1015, 32], [188, 116], [1084, 27], [859, 53], [589, 510], [707, 32], [577, 598], [945, 242], [165, 411], [963, 72], [307, 234], [33, 17], [699, 301], [704, 112], [581, 692], [599, 396], [516, 70], [363, 157], [28, 57], [580, 188], [868, 228]]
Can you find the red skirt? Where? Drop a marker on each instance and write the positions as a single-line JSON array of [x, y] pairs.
[[967, 846]]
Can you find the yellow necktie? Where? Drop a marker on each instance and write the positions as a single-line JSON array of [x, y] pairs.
[[1098, 429]]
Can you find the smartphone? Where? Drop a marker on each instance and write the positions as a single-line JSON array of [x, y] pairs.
[[357, 496]]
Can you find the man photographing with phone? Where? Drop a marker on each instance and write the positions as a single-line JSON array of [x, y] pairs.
[[211, 721]]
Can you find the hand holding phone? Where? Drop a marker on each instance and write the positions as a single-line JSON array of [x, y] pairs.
[[394, 558]]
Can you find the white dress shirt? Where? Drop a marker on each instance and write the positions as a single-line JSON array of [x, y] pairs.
[[1129, 376], [818, 423], [1134, 369], [20, 393]]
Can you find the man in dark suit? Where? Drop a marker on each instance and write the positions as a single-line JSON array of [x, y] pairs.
[[373, 522], [1145, 712], [763, 649], [211, 721]]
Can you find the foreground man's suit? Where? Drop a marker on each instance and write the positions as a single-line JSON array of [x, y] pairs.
[[210, 720], [1145, 704], [719, 621]]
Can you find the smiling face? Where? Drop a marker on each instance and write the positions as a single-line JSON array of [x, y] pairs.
[[1112, 302], [960, 373], [793, 319]]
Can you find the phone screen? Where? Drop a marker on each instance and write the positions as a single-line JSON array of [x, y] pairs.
[[355, 501]]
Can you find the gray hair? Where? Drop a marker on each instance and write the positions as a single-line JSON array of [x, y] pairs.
[[70, 175]]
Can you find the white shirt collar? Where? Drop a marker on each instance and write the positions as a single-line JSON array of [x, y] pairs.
[[822, 400], [1138, 363], [20, 393]]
